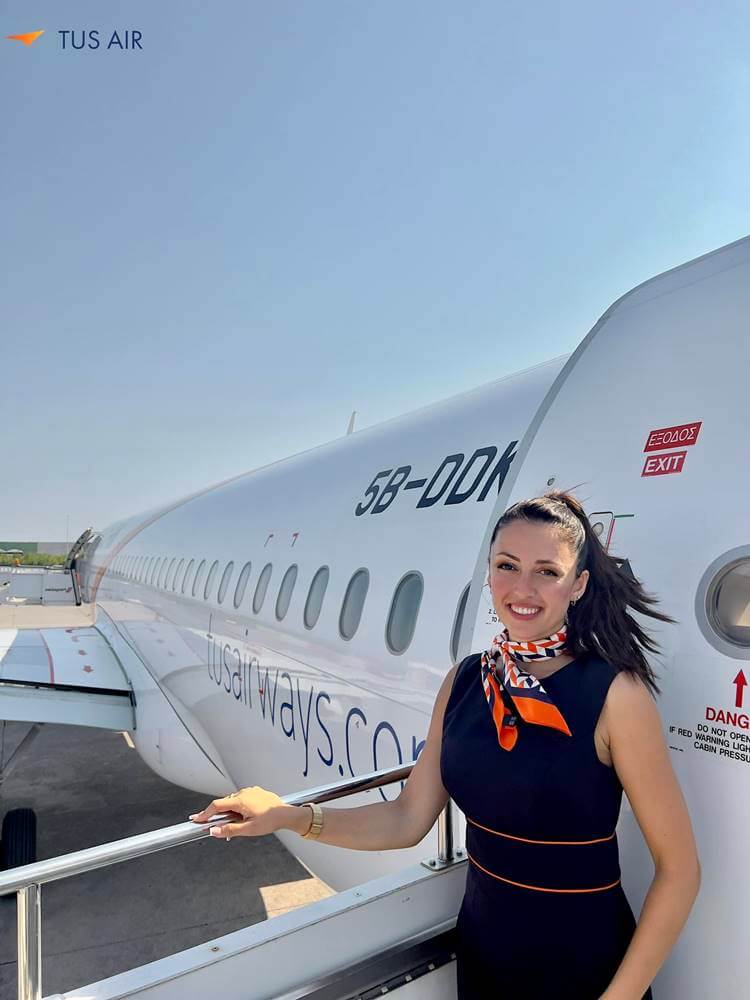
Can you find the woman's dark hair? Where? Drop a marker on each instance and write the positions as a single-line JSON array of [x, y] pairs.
[[599, 621]]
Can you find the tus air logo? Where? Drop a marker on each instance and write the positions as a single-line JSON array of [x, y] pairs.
[[127, 39], [70, 38], [28, 39]]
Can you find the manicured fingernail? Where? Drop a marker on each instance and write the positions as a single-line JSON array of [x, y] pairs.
[[192, 816], [215, 831]]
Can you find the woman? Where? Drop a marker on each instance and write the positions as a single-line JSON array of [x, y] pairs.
[[535, 739]]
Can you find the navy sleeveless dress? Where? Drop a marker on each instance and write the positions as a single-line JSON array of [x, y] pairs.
[[544, 916]]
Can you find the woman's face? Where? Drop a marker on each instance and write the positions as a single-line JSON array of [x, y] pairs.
[[531, 566]]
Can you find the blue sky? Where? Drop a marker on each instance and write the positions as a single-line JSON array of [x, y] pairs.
[[215, 248]]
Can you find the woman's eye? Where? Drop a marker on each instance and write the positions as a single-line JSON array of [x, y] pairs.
[[545, 570]]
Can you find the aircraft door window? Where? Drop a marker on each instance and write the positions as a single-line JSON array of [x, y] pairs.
[[169, 577], [458, 622], [239, 590], [261, 587], [402, 617], [210, 579], [353, 603], [315, 596], [285, 592], [225, 578], [186, 577], [199, 576], [176, 577], [723, 603]]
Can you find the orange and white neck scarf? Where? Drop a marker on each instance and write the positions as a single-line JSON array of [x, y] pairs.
[[501, 669]]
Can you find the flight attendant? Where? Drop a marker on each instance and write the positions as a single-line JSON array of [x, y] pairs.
[[535, 739]]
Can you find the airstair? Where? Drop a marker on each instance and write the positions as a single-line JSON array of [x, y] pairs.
[[392, 935]]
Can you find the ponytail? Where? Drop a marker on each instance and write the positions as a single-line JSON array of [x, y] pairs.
[[599, 622]]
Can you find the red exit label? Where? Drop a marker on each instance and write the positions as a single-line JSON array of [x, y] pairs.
[[673, 437], [664, 465]]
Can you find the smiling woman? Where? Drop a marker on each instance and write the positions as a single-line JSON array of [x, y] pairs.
[[562, 722]]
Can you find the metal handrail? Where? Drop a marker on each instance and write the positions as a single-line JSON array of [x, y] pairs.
[[27, 881]]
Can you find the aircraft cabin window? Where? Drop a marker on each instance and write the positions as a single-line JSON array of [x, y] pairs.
[[402, 618], [458, 621], [723, 603], [210, 579], [180, 564], [354, 601], [199, 576], [261, 587], [239, 590], [169, 577], [285, 592], [315, 596], [225, 578], [186, 577]]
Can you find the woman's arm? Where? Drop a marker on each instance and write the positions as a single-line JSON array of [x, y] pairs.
[[641, 759], [382, 826], [405, 821]]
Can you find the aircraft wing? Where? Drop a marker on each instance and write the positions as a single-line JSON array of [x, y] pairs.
[[67, 675]]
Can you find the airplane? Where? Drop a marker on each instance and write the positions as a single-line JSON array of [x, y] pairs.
[[291, 626]]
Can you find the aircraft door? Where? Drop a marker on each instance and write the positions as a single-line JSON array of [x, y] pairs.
[[647, 425]]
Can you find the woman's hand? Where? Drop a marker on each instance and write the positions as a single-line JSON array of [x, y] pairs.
[[254, 812]]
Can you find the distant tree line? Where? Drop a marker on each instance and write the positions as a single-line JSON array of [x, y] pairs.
[[31, 559]]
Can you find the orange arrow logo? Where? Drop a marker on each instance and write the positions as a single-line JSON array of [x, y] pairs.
[[27, 39]]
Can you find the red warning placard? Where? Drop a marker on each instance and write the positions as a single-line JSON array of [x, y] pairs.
[[681, 436], [664, 465]]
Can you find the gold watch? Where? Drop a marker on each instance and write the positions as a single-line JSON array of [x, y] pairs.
[[317, 821]]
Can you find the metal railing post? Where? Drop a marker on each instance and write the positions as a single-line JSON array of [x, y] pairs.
[[29, 904], [446, 831]]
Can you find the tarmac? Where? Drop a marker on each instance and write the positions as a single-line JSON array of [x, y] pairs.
[[89, 787]]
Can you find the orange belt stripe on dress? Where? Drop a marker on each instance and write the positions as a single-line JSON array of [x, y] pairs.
[[517, 855]]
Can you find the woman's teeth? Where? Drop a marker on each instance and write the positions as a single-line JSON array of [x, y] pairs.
[[523, 611]]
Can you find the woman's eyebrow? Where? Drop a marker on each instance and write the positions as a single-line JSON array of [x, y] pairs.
[[550, 561]]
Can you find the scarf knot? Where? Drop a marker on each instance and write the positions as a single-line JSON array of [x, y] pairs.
[[512, 692]]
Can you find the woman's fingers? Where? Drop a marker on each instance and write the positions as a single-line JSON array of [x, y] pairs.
[[229, 830], [217, 806]]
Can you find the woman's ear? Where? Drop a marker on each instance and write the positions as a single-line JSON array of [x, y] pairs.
[[585, 578]]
